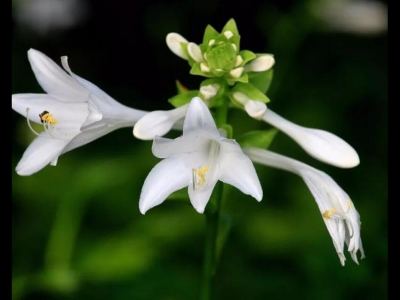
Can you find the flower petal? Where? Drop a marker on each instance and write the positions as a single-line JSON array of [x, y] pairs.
[[238, 170], [198, 116], [174, 41], [41, 152], [163, 147], [158, 123], [54, 80], [320, 144], [200, 197], [88, 136], [70, 116], [166, 177]]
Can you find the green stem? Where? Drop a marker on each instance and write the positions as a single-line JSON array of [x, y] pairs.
[[210, 257], [212, 219]]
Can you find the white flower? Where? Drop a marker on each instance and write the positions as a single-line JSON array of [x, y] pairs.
[[73, 113], [320, 144], [197, 160], [337, 210]]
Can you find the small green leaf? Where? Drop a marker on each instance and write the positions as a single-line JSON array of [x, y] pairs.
[[258, 139], [195, 70], [180, 87], [262, 80], [184, 98], [209, 34], [247, 56], [250, 91], [230, 26]]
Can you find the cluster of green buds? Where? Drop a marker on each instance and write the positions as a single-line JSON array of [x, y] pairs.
[[239, 75]]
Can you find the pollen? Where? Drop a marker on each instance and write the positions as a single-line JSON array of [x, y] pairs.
[[200, 175], [46, 117], [329, 213]]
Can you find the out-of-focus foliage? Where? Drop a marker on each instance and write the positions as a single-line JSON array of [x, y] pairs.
[[76, 228]]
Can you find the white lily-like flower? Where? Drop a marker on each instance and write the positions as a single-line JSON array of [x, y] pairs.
[[338, 211], [73, 113], [197, 160], [320, 144]]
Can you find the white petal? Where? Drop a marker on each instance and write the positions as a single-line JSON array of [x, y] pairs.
[[195, 52], [260, 64], [166, 177], [198, 117], [200, 197], [174, 41], [255, 109], [88, 136], [70, 116], [163, 147], [158, 123], [41, 152], [54, 80], [320, 144], [238, 170]]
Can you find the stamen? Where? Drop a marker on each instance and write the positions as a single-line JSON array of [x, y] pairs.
[[329, 213], [48, 122], [29, 123], [200, 174]]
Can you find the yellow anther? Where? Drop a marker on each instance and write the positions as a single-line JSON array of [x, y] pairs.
[[200, 174], [329, 213], [350, 203], [46, 117]]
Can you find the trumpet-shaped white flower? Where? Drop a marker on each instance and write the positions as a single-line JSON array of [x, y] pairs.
[[320, 144], [197, 160], [337, 210], [73, 113]]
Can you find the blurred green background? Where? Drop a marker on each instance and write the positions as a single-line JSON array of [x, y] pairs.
[[77, 232]]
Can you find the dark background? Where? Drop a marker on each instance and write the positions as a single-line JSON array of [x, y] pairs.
[[77, 232]]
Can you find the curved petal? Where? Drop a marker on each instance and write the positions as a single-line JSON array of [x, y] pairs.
[[320, 144], [200, 197], [174, 41], [88, 136], [197, 117], [166, 177], [70, 116], [260, 64], [238, 170], [54, 80], [41, 152], [158, 123]]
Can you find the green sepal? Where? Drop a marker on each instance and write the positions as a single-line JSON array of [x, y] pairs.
[[250, 91], [209, 34], [258, 139], [231, 26], [180, 87], [231, 81], [262, 80], [195, 70], [247, 56], [184, 98], [236, 40]]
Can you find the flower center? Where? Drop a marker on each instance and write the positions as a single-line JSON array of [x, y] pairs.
[[49, 123], [203, 174]]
